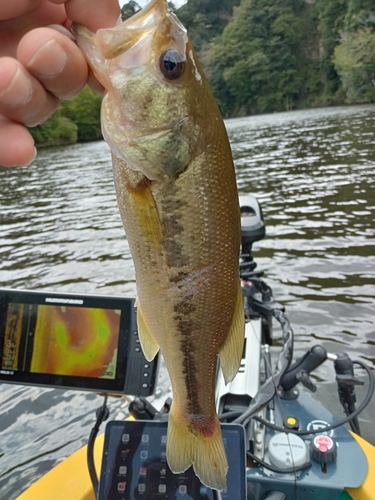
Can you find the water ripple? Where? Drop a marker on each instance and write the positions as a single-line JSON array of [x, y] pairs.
[[60, 229]]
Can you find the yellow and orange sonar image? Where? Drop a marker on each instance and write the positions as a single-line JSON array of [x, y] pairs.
[[76, 341]]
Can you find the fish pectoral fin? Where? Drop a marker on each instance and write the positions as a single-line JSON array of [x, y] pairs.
[[149, 345], [231, 351], [187, 445]]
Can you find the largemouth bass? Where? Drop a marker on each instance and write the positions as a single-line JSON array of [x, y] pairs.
[[176, 191]]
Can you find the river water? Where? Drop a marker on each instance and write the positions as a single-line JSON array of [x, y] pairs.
[[314, 174]]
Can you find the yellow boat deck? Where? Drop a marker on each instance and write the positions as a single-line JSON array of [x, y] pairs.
[[70, 479]]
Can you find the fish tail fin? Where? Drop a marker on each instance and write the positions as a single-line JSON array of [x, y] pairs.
[[231, 351], [199, 444]]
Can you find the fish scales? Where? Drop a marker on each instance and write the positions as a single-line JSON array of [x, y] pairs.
[[176, 192], [193, 260]]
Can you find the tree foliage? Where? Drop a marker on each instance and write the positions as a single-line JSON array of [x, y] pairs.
[[84, 111], [129, 9], [263, 55], [57, 131], [354, 60], [331, 14], [354, 56], [76, 120], [205, 19]]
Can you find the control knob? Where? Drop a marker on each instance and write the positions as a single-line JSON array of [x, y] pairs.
[[323, 449]]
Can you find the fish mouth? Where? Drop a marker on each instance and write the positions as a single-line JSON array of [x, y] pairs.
[[115, 41]]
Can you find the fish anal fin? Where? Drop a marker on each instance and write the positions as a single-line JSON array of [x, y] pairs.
[[180, 443], [149, 345], [188, 445], [232, 349]]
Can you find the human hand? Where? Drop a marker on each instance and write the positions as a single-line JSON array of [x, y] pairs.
[[40, 64]]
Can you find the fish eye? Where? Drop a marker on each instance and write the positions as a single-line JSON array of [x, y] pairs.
[[172, 64]]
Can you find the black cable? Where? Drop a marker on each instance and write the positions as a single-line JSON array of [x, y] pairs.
[[269, 388], [230, 414], [102, 414], [354, 425], [272, 468], [360, 408]]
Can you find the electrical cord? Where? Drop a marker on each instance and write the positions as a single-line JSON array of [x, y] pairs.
[[269, 388], [360, 408], [230, 414], [102, 414], [354, 415], [354, 425]]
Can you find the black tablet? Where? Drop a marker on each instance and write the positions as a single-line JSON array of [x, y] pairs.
[[85, 342], [134, 465]]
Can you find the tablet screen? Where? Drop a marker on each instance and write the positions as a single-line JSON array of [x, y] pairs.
[[135, 466]]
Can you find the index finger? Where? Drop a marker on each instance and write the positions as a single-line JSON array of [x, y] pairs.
[[8, 10], [94, 14]]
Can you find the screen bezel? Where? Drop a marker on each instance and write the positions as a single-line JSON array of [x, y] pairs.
[[116, 385], [141, 427]]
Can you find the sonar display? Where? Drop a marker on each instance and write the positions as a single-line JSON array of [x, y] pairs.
[[61, 340]]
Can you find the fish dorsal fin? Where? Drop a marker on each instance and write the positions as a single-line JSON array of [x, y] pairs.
[[231, 352], [149, 345]]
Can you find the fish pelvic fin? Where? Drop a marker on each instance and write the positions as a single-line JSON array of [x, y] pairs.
[[149, 345], [199, 444], [231, 351]]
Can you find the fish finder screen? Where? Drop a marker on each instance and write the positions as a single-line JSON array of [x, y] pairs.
[[61, 340]]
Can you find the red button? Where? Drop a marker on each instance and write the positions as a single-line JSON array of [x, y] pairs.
[[323, 443]]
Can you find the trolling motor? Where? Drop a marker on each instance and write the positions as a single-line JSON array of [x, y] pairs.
[[258, 297], [300, 372], [252, 227], [259, 306], [346, 382], [345, 385]]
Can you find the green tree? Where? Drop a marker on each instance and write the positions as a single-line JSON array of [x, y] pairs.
[[57, 131], [354, 60], [84, 111], [263, 56], [331, 15], [205, 19], [354, 57], [76, 120], [129, 9], [360, 14]]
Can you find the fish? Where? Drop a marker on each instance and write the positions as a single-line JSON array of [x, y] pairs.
[[177, 196]]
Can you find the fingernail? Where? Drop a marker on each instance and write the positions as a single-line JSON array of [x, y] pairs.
[[27, 162], [19, 90], [33, 158], [49, 60]]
